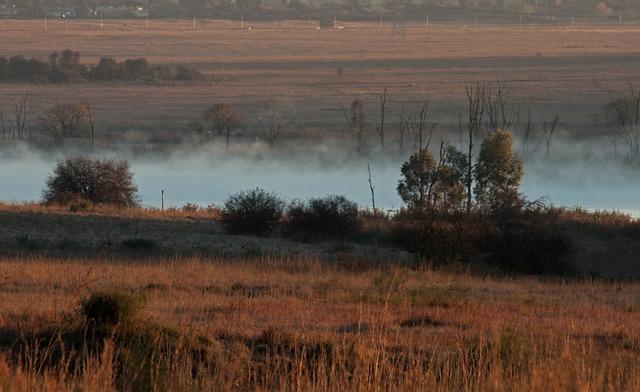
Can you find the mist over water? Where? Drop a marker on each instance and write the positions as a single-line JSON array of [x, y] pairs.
[[570, 179]]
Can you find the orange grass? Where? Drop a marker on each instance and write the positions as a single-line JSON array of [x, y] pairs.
[[189, 211], [410, 329]]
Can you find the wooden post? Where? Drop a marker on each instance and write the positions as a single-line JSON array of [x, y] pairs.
[[162, 200]]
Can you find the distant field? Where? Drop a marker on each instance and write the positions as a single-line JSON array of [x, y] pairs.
[[568, 69]]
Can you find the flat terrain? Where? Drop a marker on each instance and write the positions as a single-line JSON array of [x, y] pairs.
[[571, 70], [32, 229], [404, 329]]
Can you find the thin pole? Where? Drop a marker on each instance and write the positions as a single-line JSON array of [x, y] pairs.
[[45, 23], [372, 189], [426, 22], [194, 22], [162, 200], [100, 20], [147, 20], [242, 21]]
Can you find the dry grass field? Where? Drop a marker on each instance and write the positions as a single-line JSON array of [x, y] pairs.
[[379, 329], [100, 298], [567, 69]]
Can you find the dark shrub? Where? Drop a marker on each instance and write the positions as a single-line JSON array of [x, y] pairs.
[[139, 244], [184, 73], [331, 216], [325, 22], [107, 310], [435, 242], [98, 181], [106, 69], [27, 243], [531, 242], [4, 68], [134, 69], [252, 212]]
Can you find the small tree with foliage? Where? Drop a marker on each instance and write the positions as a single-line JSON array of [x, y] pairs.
[[499, 170], [430, 185], [99, 181]]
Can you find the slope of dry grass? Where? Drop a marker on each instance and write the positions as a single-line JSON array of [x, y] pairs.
[[403, 329]]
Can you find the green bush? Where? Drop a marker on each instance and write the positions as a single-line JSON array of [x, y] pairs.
[[253, 212]]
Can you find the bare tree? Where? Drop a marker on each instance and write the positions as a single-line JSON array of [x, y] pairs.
[[528, 129], [2, 124], [418, 125], [92, 123], [356, 121], [626, 112], [224, 120], [21, 112], [380, 128], [548, 128], [476, 94], [403, 129], [613, 139], [273, 120], [64, 121], [499, 111]]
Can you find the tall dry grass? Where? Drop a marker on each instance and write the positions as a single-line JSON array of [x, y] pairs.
[[300, 324]]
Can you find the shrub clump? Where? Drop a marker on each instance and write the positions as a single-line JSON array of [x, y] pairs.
[[98, 181], [330, 217], [253, 212], [107, 310], [139, 244]]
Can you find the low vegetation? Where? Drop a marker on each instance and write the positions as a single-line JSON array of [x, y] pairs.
[[252, 212], [66, 67], [331, 217], [299, 323]]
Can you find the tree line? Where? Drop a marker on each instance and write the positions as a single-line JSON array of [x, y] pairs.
[[66, 67]]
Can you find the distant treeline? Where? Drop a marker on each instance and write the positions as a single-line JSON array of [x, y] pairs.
[[65, 67]]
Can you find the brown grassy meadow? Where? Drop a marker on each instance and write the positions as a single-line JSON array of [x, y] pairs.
[[406, 329], [574, 68], [223, 312]]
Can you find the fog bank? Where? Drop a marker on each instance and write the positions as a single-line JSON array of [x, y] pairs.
[[208, 178]]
